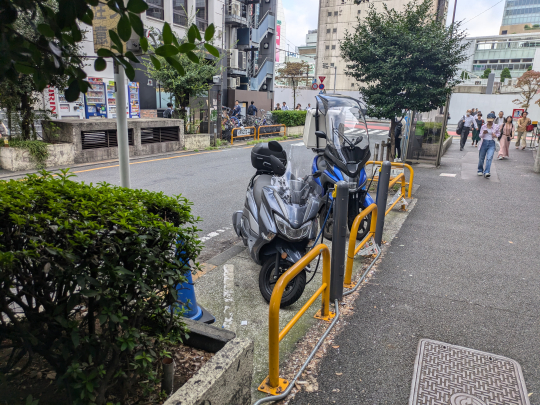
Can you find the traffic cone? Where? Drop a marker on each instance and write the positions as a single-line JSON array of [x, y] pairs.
[[186, 292]]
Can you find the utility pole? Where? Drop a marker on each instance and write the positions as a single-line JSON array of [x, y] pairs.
[[121, 123], [446, 106], [335, 78]]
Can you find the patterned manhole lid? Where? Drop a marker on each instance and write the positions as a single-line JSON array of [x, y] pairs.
[[452, 375]]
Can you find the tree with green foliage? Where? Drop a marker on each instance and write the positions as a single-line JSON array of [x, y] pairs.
[[19, 95], [403, 60], [49, 51], [464, 75], [199, 67], [529, 68], [293, 74], [486, 73], [505, 74]]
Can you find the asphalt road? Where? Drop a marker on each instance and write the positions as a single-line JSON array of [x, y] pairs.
[[215, 181]]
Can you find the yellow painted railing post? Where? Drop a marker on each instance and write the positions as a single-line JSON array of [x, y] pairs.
[[352, 240], [273, 384], [403, 206]]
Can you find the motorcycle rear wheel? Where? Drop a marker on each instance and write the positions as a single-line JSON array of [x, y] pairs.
[[267, 280]]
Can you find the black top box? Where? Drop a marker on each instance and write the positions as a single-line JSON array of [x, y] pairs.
[[261, 153]]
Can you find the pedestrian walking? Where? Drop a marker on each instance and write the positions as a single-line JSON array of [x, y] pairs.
[[476, 131], [397, 137], [500, 119], [505, 137], [252, 110], [285, 107], [488, 133], [522, 124], [468, 122], [308, 107], [169, 111], [278, 107]]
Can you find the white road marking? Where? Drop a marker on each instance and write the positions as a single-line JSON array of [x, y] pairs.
[[298, 144], [448, 174], [228, 296], [213, 234]]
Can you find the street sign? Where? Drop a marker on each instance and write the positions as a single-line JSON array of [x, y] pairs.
[[314, 86], [321, 78], [321, 86], [105, 19]]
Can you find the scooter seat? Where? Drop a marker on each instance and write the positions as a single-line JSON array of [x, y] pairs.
[[258, 184]]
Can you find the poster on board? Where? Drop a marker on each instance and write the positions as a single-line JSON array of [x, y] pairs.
[[517, 113]]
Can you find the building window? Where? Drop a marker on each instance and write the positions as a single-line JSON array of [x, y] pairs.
[[334, 29], [352, 84], [201, 10], [179, 12], [335, 13], [493, 61], [527, 60], [333, 47], [504, 32], [327, 47], [328, 30], [331, 65], [329, 14], [359, 11], [155, 9]]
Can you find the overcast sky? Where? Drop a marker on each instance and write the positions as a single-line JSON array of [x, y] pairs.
[[301, 16]]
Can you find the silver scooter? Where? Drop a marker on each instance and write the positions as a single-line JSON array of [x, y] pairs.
[[279, 218]]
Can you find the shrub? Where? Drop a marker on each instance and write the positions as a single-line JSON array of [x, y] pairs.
[[38, 151], [289, 118], [93, 269]]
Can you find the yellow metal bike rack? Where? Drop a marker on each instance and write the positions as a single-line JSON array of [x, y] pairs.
[[274, 132], [273, 384], [352, 251], [401, 177], [254, 134], [399, 165]]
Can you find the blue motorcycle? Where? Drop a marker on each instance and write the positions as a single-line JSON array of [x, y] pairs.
[[336, 130]]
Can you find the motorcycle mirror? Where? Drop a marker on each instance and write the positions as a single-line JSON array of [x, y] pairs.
[[358, 140], [317, 174], [320, 134], [277, 167]]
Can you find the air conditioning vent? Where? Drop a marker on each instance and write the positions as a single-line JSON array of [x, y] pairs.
[[232, 59]]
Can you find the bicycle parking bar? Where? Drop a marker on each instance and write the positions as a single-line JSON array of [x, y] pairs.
[[394, 181], [352, 251], [400, 165], [273, 384], [273, 132], [254, 134]]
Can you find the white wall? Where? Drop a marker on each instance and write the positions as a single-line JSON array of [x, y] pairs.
[[461, 102], [303, 96]]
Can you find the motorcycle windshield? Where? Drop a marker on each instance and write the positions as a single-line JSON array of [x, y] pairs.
[[296, 192], [347, 131]]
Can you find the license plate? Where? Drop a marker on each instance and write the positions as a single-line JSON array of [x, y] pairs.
[[241, 132]]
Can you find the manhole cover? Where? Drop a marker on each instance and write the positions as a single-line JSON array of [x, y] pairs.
[[452, 375]]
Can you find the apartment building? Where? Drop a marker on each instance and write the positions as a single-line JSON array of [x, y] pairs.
[[520, 16], [335, 18]]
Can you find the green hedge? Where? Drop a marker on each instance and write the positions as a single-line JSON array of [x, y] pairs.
[[289, 118], [93, 269]]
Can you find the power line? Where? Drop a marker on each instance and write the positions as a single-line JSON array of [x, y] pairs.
[[470, 19]]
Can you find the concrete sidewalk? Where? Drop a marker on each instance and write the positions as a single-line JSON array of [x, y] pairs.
[[464, 269]]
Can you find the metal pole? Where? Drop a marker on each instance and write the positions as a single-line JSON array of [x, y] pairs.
[[446, 105], [335, 78], [339, 237], [382, 197], [121, 124]]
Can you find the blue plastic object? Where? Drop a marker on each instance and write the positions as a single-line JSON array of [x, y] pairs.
[[186, 299]]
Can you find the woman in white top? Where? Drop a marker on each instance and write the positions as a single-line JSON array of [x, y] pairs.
[[488, 133]]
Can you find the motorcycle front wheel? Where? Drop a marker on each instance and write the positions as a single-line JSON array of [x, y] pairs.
[[268, 279]]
